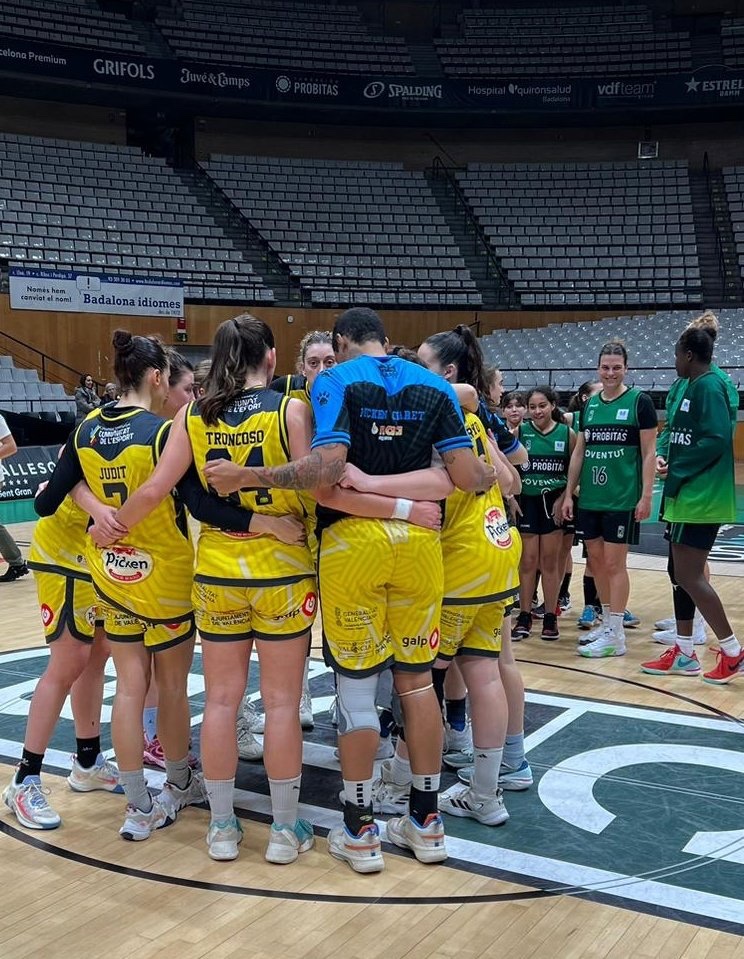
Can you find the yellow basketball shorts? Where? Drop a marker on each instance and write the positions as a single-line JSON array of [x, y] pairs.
[[123, 627], [471, 629], [381, 590], [228, 613], [66, 602]]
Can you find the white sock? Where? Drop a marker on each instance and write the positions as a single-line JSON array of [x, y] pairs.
[[358, 792], [220, 795], [400, 770], [426, 783], [606, 613], [285, 799], [685, 644], [616, 622], [730, 645], [485, 780]]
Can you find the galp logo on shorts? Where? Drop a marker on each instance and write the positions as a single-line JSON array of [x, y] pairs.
[[125, 564], [496, 528]]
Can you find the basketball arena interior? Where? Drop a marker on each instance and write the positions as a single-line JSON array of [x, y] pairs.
[[547, 177]]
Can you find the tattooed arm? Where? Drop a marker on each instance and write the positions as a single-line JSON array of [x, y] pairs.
[[321, 467]]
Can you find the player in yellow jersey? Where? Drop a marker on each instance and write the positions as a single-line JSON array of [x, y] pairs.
[[247, 588], [143, 582], [78, 651]]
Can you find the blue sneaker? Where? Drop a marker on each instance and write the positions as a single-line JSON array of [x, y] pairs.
[[286, 843], [513, 780], [629, 620], [588, 618]]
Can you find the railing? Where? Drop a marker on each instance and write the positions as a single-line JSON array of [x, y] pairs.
[[481, 244], [568, 379], [27, 357], [717, 232]]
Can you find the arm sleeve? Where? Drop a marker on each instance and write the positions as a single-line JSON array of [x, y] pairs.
[[450, 433], [712, 434], [646, 413], [209, 508], [329, 411], [66, 476]]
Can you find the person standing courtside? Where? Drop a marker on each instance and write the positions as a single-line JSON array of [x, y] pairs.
[[381, 580], [8, 547]]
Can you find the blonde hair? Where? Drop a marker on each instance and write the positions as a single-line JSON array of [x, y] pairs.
[[706, 321]]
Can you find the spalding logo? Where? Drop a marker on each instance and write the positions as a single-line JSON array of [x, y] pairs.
[[125, 564], [496, 527]]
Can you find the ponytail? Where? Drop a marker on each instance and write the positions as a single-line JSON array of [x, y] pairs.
[[240, 346]]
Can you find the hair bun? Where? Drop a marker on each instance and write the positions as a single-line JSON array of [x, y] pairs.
[[123, 342]]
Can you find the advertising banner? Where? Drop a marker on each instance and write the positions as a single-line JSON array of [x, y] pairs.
[[70, 292], [22, 473]]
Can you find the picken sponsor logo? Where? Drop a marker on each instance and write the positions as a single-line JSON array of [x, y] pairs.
[[125, 564]]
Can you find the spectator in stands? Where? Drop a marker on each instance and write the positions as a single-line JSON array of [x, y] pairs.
[[8, 546], [110, 393], [86, 398]]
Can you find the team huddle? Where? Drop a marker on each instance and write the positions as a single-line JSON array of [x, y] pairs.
[[379, 489]]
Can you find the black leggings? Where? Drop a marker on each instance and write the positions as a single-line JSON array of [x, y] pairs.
[[684, 606]]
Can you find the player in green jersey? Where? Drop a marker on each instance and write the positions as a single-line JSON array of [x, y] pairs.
[[613, 465], [549, 442], [699, 495]]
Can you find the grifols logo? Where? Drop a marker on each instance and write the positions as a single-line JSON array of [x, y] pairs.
[[125, 564], [496, 527]]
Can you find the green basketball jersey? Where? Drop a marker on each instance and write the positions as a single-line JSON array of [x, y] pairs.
[[699, 487], [547, 466], [611, 478]]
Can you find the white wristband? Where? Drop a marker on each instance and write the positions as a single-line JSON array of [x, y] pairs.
[[402, 509]]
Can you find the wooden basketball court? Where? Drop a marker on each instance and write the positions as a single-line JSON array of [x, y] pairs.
[[547, 884]]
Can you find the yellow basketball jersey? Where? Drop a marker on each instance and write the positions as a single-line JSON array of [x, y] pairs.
[[252, 431], [481, 552], [149, 573], [59, 542]]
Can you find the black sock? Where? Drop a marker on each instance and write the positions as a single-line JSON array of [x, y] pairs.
[[30, 765], [454, 710], [437, 678], [87, 751], [422, 804], [565, 585], [357, 817], [590, 592], [387, 723]]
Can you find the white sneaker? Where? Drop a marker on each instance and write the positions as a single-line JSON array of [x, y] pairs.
[[459, 800], [223, 839], [459, 746], [663, 624], [139, 825], [363, 852], [587, 638], [668, 637], [333, 712], [173, 799], [102, 775], [28, 802], [285, 844], [608, 643], [249, 748], [427, 842], [254, 720], [307, 720]]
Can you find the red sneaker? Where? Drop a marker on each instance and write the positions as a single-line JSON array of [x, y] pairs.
[[727, 668], [673, 661], [153, 753]]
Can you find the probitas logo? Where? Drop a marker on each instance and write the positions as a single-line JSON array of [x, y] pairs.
[[307, 86]]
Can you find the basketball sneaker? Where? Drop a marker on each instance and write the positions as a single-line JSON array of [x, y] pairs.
[[363, 852], [460, 800], [333, 712], [286, 844], [102, 775], [523, 626], [388, 797], [223, 838], [28, 802], [249, 748], [726, 668], [12, 573], [550, 627], [663, 624], [630, 620], [673, 662], [564, 603], [153, 754], [173, 799], [538, 610], [589, 618], [254, 719], [307, 720], [668, 637], [513, 780], [608, 643], [139, 825], [426, 842], [458, 746], [592, 635]]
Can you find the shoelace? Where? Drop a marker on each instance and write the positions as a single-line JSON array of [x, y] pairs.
[[37, 795]]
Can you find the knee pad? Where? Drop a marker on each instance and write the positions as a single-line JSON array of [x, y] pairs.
[[356, 704]]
